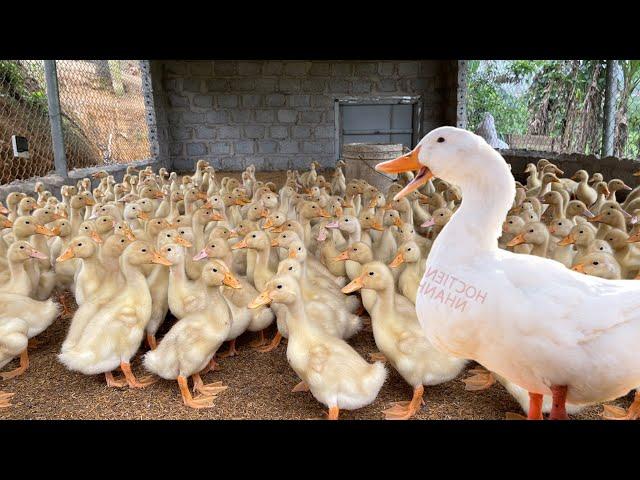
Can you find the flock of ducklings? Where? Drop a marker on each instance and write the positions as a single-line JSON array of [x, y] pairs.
[[230, 258]]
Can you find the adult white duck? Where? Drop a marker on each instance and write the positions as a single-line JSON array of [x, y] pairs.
[[542, 326]]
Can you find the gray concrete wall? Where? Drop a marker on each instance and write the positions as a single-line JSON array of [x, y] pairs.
[[280, 114]]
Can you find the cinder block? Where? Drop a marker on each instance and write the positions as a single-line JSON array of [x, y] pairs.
[[323, 101], [386, 69], [296, 69], [217, 85], [243, 84], [341, 69], [254, 131], [361, 86], [288, 146], [386, 85], [219, 148], [267, 146], [176, 148], [200, 68], [225, 67], [176, 67], [205, 133], [366, 68], [289, 85], [244, 146], [227, 101], [275, 100], [272, 68], [339, 86], [278, 131], [277, 163], [287, 116], [178, 101], [324, 132], [314, 86], [198, 148], [251, 100], [191, 117], [191, 85], [240, 116], [216, 116], [320, 69], [301, 132], [266, 85], [311, 117], [312, 147], [229, 132], [408, 69], [202, 101], [249, 68], [299, 100], [265, 116]]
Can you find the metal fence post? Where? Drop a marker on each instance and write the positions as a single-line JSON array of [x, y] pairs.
[[608, 128], [53, 99]]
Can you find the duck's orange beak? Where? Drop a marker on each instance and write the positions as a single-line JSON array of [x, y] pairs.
[[6, 223], [180, 240], [398, 260], [634, 238], [552, 229], [95, 237], [230, 281], [45, 231], [279, 229], [406, 163], [268, 223], [262, 299], [202, 196], [372, 203], [324, 213], [233, 234], [377, 226], [90, 202], [274, 243], [239, 245], [397, 221], [568, 240], [597, 218], [143, 216], [517, 240], [343, 256], [338, 211], [68, 254], [57, 216], [579, 268], [159, 259], [356, 284], [216, 217], [4, 210]]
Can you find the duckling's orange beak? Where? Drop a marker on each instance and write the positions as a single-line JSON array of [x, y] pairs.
[[230, 281], [406, 163], [597, 218], [293, 254], [143, 216], [6, 223], [95, 237], [239, 245], [68, 254], [552, 229], [262, 299], [37, 254], [323, 213], [398, 260], [268, 223], [4, 210], [568, 240], [338, 211], [264, 213], [279, 229], [579, 268], [274, 243], [202, 196], [89, 202], [129, 234], [233, 234], [216, 217], [634, 238], [159, 259], [180, 240], [397, 221], [343, 256], [517, 240], [387, 207], [158, 194], [606, 191], [203, 254], [44, 231], [373, 203], [356, 284], [57, 216], [377, 226]]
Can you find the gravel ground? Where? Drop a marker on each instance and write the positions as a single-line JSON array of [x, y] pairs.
[[259, 388]]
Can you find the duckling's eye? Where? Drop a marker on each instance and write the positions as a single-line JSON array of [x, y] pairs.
[[601, 248], [168, 236], [530, 231], [27, 223], [371, 274], [355, 249], [581, 231], [510, 222], [253, 236], [595, 263], [290, 268], [79, 245], [215, 270], [144, 250], [442, 214], [346, 219], [279, 286], [408, 249], [122, 241], [366, 218], [440, 139], [22, 247]]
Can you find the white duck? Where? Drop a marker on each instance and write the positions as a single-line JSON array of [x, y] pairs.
[[531, 320]]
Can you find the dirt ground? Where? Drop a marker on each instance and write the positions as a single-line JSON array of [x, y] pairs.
[[259, 388]]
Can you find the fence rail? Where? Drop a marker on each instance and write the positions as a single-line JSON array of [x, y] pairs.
[[559, 106], [102, 114]]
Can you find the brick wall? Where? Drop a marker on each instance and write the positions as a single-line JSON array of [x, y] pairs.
[[280, 114]]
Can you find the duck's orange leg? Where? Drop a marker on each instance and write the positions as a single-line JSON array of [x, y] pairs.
[[66, 309], [5, 398], [334, 412], [211, 389], [112, 382], [272, 345], [151, 340], [24, 364], [301, 387], [535, 406], [260, 341], [558, 408], [232, 352], [406, 410], [131, 379], [201, 401]]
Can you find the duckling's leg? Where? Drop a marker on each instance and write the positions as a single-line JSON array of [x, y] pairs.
[[112, 382], [34, 343], [535, 406], [5, 398], [334, 412], [131, 378], [24, 364], [406, 410], [260, 341], [212, 389], [558, 410], [232, 352], [151, 340], [200, 401], [66, 310], [272, 345], [616, 413], [377, 357]]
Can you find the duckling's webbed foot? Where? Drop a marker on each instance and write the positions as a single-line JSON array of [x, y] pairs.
[[131, 379], [33, 343], [481, 380], [112, 382], [5, 398], [377, 357], [301, 387], [334, 413], [260, 341], [612, 412], [24, 364], [200, 401], [210, 389], [232, 352], [151, 341], [272, 345], [406, 410], [64, 303]]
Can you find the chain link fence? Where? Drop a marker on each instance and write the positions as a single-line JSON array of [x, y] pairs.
[[102, 109], [558, 106]]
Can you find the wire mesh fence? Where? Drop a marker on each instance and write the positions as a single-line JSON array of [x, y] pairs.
[[560, 106], [102, 109]]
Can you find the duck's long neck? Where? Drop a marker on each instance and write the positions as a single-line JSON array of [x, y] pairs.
[[477, 224]]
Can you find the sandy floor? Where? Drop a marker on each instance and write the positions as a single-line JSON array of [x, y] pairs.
[[259, 388]]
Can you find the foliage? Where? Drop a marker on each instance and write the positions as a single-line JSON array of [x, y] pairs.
[[13, 81]]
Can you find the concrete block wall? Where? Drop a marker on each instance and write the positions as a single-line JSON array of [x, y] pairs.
[[280, 114]]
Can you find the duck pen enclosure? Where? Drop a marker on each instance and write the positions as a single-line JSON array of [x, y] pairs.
[[203, 150]]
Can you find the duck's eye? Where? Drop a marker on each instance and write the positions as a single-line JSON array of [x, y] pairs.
[[371, 274], [79, 245], [27, 223], [253, 236], [144, 250], [279, 286], [530, 231], [510, 222], [408, 249], [442, 214], [290, 268], [440, 139], [215, 270], [346, 219], [355, 249], [595, 263], [168, 236], [22, 247], [122, 241], [581, 231]]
